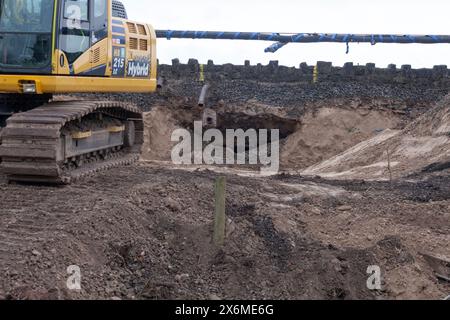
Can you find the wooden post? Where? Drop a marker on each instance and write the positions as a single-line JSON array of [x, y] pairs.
[[389, 164], [219, 216]]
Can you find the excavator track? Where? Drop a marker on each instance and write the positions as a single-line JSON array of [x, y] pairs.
[[61, 142]]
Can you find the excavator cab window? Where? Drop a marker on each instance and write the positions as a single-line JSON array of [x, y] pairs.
[[77, 10], [75, 29], [84, 23], [99, 20], [25, 35], [26, 15]]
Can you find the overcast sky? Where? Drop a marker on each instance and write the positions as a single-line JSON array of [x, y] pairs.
[[298, 16]]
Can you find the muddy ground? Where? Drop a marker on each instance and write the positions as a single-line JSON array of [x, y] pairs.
[[145, 231]]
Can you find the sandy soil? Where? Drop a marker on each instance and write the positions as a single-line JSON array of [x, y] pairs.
[[423, 145], [329, 131]]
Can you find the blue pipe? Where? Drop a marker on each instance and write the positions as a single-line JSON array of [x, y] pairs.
[[304, 37]]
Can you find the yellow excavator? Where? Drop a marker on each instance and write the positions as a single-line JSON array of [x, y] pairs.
[[52, 47]]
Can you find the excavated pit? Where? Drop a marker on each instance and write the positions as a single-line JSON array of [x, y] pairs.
[[305, 139], [161, 122]]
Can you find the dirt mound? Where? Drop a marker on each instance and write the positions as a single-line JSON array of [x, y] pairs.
[[328, 131], [159, 125], [423, 145]]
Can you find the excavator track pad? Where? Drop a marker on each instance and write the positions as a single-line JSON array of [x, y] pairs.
[[60, 142]]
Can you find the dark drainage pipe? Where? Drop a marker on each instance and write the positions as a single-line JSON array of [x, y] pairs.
[[160, 83], [203, 96]]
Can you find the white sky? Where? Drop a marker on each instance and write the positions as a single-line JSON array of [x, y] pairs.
[[298, 16]]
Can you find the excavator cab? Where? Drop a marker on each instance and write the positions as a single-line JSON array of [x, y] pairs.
[[53, 46], [29, 29]]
